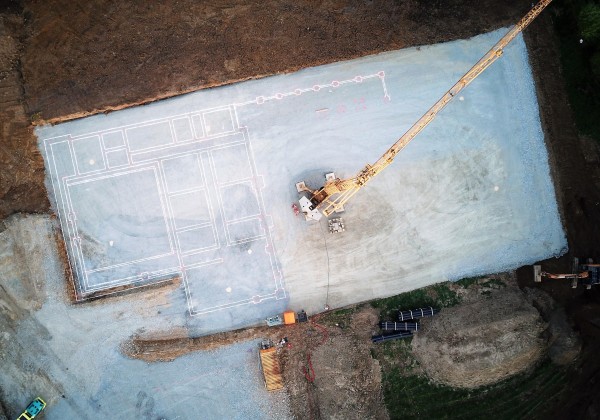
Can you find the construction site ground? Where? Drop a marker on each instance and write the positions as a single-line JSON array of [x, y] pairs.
[[209, 200], [49, 73]]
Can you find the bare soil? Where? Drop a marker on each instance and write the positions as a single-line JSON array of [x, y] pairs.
[[61, 59], [82, 57], [328, 372], [484, 340], [575, 167], [21, 166]]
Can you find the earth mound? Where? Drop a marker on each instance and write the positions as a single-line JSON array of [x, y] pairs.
[[481, 342]]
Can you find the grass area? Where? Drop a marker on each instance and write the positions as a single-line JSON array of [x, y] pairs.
[[339, 317], [583, 87], [523, 396], [410, 395], [581, 91], [469, 281], [439, 296]]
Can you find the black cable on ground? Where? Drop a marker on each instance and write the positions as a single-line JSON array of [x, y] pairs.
[[327, 253]]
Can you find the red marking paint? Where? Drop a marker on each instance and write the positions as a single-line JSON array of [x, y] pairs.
[[358, 79], [316, 88], [335, 83], [359, 104]]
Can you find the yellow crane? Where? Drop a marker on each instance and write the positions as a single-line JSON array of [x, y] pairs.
[[336, 192]]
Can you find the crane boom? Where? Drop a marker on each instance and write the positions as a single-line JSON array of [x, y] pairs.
[[335, 193]]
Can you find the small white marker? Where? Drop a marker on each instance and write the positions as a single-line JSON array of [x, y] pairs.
[[110, 243], [92, 161], [461, 98], [496, 188], [228, 290], [249, 251]]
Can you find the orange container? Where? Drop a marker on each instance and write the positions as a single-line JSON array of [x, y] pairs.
[[289, 317]]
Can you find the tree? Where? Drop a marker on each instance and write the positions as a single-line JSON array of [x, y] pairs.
[[589, 23]]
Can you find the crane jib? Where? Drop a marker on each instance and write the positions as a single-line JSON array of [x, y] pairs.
[[335, 193]]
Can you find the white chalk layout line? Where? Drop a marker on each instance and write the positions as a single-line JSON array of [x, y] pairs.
[[276, 269], [215, 245], [207, 127], [105, 147], [196, 155], [199, 143], [59, 209], [76, 239], [143, 123], [89, 176]]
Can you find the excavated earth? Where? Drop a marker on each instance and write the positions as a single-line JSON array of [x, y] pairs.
[[61, 59], [461, 350]]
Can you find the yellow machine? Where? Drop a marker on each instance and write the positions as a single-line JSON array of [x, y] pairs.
[[587, 273], [336, 192], [34, 408], [269, 364]]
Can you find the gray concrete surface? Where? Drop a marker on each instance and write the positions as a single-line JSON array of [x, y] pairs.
[[69, 354], [201, 185]]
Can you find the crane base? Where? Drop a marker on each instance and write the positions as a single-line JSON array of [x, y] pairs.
[[336, 225]]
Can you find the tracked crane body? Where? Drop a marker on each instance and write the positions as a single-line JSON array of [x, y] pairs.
[[336, 192]]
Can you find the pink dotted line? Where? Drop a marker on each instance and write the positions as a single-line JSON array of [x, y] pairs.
[[316, 88]]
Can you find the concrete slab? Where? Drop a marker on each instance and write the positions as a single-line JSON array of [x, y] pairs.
[[69, 354], [210, 177]]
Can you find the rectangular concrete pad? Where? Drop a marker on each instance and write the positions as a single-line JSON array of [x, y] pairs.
[[471, 195]]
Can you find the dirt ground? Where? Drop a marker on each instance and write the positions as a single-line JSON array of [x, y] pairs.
[[574, 161], [21, 167], [328, 370], [61, 59], [463, 351]]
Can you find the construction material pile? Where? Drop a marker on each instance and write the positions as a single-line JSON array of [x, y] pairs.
[[408, 325]]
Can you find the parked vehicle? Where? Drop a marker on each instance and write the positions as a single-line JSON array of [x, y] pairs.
[[34, 408]]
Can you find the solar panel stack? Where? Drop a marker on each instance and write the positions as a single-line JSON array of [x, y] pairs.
[[399, 326], [406, 327], [417, 313], [395, 335]]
